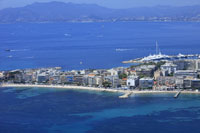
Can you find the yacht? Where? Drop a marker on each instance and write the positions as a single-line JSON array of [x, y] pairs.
[[157, 56]]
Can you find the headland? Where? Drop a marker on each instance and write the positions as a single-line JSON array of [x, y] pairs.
[[156, 73]]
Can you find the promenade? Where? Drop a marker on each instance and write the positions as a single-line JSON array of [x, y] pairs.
[[98, 89]]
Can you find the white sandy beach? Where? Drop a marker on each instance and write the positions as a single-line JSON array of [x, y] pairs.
[[96, 89], [62, 87]]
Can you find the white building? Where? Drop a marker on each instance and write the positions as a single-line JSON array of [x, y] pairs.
[[132, 81], [1, 75], [186, 73], [113, 72], [169, 67], [98, 80]]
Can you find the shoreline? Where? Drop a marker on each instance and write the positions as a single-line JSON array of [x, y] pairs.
[[62, 87], [98, 89]]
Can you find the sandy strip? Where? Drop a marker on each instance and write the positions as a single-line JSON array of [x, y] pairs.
[[62, 87], [96, 89]]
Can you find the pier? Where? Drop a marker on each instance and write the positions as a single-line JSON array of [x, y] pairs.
[[177, 94], [161, 57], [126, 95]]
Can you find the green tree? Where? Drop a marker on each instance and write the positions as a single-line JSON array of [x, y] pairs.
[[159, 64], [106, 84], [122, 75]]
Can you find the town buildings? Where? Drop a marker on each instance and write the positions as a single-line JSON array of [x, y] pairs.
[[181, 74], [146, 83], [132, 81]]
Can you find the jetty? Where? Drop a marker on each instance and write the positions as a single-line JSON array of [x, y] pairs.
[[158, 56], [177, 94], [126, 95]]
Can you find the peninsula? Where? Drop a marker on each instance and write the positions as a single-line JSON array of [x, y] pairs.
[[156, 75]]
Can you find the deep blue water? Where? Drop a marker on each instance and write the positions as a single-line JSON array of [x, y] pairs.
[[94, 44], [42, 110]]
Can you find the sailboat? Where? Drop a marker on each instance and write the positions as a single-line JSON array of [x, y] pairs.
[[157, 56]]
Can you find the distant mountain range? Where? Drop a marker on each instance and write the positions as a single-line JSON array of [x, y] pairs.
[[69, 12]]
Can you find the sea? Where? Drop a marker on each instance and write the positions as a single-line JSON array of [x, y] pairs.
[[75, 46], [92, 45]]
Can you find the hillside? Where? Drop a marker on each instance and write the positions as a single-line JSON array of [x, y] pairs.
[[61, 12]]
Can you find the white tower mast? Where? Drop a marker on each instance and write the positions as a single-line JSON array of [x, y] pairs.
[[156, 48]]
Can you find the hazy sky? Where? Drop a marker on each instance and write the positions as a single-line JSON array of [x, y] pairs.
[[106, 3]]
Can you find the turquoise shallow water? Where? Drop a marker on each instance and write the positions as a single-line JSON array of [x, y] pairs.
[[57, 110], [43, 110]]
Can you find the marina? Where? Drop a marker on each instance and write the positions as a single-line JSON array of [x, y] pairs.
[[161, 57], [73, 68], [158, 56]]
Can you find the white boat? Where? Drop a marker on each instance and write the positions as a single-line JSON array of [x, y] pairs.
[[67, 35], [120, 50], [181, 55], [157, 56], [10, 56]]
